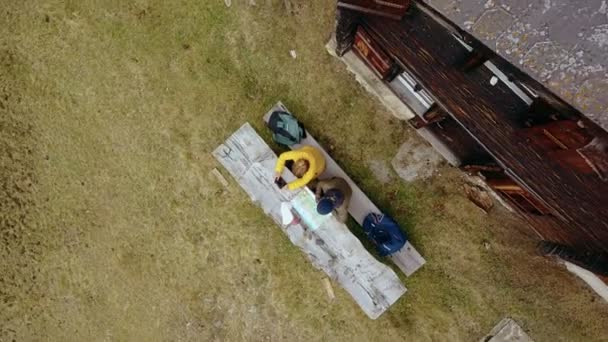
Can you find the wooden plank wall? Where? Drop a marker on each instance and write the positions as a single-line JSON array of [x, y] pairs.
[[494, 115]]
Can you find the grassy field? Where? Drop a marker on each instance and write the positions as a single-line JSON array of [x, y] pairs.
[[112, 228]]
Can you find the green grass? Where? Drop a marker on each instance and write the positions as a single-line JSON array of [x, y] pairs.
[[113, 228]]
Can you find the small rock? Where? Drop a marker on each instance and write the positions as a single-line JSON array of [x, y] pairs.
[[480, 197], [486, 245]]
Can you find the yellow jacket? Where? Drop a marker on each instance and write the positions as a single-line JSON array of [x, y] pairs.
[[315, 160]]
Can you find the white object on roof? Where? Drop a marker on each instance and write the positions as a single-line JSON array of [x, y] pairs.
[[407, 259], [331, 247]]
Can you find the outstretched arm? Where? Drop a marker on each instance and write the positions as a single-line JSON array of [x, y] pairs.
[[300, 182], [285, 156]]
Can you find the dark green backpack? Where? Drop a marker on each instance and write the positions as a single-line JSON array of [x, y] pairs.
[[286, 129]]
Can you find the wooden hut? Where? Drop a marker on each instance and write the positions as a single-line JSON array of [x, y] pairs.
[[539, 152]]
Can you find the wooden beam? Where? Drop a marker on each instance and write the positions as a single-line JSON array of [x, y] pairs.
[[481, 168], [541, 109], [432, 115], [474, 59], [417, 122], [553, 135], [596, 154], [594, 262]]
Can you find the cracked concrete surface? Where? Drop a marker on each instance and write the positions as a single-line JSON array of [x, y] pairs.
[[563, 44], [416, 160]]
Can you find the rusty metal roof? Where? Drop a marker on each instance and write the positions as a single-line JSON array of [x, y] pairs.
[[561, 43]]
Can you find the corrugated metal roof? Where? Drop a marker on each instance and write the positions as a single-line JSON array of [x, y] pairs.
[[562, 44]]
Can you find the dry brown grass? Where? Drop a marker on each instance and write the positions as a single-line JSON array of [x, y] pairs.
[[112, 227]]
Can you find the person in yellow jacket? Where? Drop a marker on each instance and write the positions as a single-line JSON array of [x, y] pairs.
[[309, 163]]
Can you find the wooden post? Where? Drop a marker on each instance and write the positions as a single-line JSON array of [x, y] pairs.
[[346, 27], [434, 114], [562, 134], [408, 259]]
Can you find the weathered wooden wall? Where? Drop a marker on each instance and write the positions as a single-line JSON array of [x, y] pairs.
[[495, 116]]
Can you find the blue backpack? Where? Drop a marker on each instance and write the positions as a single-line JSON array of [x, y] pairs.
[[286, 129], [385, 233]]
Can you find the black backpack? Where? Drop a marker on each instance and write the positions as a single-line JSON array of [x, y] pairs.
[[286, 129], [385, 233]]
